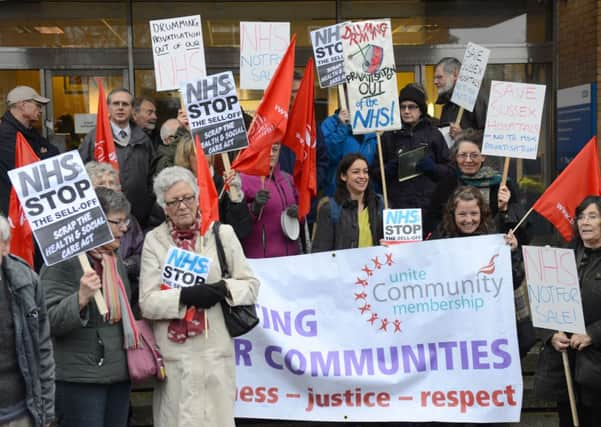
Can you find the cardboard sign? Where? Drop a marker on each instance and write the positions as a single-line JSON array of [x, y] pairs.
[[402, 225], [513, 120], [184, 268], [84, 123], [329, 57], [553, 289], [177, 50], [214, 113], [470, 76], [370, 76], [61, 206], [262, 46]]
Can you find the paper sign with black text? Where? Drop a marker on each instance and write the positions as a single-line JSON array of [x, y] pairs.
[[214, 113], [177, 50], [553, 289], [402, 225], [184, 268], [470, 76], [329, 57], [61, 206]]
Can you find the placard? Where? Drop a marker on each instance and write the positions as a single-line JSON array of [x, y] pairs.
[[329, 57], [262, 46], [402, 225], [184, 268], [214, 113], [177, 50], [84, 123], [553, 289], [514, 119], [61, 206], [371, 76], [470, 76]]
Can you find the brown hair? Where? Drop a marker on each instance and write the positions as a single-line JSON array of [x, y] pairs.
[[466, 193]]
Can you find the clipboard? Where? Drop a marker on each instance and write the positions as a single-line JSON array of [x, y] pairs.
[[408, 161]]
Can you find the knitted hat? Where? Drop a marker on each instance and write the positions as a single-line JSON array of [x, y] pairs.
[[412, 93]]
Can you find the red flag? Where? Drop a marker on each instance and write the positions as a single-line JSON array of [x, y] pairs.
[[300, 137], [208, 201], [271, 118], [579, 179], [104, 146], [21, 243]]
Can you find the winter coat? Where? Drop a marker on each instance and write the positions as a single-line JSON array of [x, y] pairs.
[[87, 349], [343, 232], [235, 214], [340, 141], [200, 387], [267, 239], [32, 338], [164, 157], [9, 126], [475, 119], [135, 161]]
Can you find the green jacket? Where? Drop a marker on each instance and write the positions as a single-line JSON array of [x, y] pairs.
[[86, 348]]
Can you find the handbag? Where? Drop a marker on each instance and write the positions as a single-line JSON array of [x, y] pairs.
[[239, 319], [145, 362]]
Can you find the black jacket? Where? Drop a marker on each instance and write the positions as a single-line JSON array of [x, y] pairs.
[[470, 119]]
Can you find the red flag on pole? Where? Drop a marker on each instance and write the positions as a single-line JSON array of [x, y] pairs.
[[581, 178], [208, 201], [21, 243], [104, 146], [271, 119], [300, 138]]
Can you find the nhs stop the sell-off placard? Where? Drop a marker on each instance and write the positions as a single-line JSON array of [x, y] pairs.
[[61, 206], [415, 332]]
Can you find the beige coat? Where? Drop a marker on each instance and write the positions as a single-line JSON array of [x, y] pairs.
[[200, 387]]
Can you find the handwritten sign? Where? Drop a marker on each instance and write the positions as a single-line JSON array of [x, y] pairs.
[[177, 50], [553, 289], [470, 76], [513, 120], [329, 57], [370, 76], [61, 206], [402, 225], [214, 113], [184, 268], [262, 46]]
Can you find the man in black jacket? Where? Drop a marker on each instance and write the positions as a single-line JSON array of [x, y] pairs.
[[24, 109]]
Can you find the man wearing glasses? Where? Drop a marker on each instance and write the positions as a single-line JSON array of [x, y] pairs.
[[24, 109]]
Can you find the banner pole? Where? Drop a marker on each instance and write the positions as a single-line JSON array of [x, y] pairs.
[[459, 116], [227, 166], [98, 297], [505, 171], [342, 97], [523, 219], [382, 172], [568, 374]]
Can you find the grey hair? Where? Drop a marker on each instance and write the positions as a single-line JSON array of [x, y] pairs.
[[112, 201], [169, 127], [450, 65], [170, 176], [4, 229], [140, 100], [96, 170]]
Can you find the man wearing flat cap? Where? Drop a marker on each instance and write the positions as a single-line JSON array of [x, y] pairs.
[[24, 109]]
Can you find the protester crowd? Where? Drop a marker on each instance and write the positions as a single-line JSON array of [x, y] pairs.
[[63, 362]]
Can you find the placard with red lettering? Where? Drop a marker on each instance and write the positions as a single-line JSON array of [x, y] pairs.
[[262, 47], [553, 289], [177, 50], [513, 120], [470, 76]]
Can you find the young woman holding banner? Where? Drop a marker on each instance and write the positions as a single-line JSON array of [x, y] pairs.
[[584, 350]]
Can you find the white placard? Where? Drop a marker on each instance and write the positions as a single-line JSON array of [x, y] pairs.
[[329, 57], [470, 76], [184, 268], [402, 225]]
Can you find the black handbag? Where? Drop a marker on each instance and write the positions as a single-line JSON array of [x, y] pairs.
[[239, 319]]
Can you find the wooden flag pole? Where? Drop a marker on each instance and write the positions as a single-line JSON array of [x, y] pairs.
[[459, 116], [568, 374], [227, 166], [382, 172], [98, 297], [523, 218], [505, 171]]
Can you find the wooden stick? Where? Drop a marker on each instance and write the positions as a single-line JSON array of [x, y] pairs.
[[234, 194], [505, 171], [523, 219], [98, 297], [459, 116], [342, 97], [382, 172], [568, 374]]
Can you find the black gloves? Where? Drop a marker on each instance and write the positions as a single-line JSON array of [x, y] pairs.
[[203, 296], [261, 199], [292, 211]]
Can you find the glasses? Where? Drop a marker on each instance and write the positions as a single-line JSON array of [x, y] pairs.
[[410, 107], [466, 156], [188, 201], [120, 223], [120, 104]]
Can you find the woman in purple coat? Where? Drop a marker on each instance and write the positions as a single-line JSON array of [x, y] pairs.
[[268, 199]]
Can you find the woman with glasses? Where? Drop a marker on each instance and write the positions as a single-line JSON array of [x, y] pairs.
[[199, 362], [92, 380]]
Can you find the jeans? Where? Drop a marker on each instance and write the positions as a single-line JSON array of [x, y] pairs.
[[92, 405]]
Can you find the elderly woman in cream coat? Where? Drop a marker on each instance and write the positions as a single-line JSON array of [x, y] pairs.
[[200, 386]]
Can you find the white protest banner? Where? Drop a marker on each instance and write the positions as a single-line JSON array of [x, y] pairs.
[[329, 57], [470, 76], [553, 289], [417, 332], [177, 50], [402, 225], [184, 268], [513, 120], [262, 46], [61, 206], [370, 76], [214, 113]]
